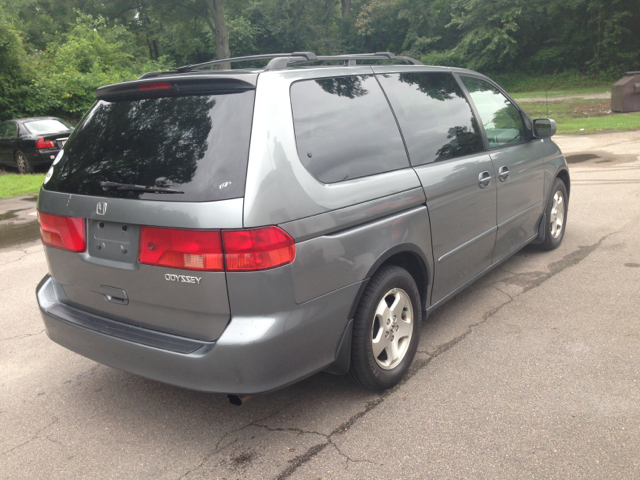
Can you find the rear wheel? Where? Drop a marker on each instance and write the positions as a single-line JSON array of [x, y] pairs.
[[22, 163], [386, 329], [556, 216]]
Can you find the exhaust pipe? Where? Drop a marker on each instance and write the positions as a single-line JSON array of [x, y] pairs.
[[238, 400]]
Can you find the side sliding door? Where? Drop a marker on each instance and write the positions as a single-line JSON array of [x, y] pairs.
[[445, 147]]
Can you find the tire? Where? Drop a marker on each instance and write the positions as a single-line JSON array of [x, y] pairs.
[[23, 163], [557, 210], [376, 364]]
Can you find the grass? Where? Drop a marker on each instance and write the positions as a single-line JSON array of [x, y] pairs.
[[569, 81], [14, 185], [584, 116]]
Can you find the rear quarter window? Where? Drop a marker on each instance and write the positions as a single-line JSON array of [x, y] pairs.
[[345, 129], [195, 144]]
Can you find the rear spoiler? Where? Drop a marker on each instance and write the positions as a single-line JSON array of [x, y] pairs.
[[176, 87]]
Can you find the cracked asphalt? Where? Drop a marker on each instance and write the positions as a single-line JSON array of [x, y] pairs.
[[533, 372]]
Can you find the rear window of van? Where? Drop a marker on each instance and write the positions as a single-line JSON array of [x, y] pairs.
[[197, 145]]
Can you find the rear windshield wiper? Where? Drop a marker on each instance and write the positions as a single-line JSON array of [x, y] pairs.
[[130, 187]]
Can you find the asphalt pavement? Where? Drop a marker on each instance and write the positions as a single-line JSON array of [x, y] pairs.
[[533, 372]]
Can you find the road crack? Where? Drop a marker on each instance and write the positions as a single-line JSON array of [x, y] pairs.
[[217, 449], [34, 437], [24, 335], [349, 459], [299, 431]]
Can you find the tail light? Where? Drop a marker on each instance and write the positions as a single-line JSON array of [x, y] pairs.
[[42, 143], [63, 232], [258, 249], [187, 249], [237, 250]]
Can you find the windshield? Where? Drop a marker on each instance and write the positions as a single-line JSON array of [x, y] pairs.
[[42, 127], [198, 145]]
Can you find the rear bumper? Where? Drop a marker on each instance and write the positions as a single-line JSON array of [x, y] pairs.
[[253, 355], [41, 157]]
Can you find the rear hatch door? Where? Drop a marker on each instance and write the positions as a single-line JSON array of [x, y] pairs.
[[153, 162]]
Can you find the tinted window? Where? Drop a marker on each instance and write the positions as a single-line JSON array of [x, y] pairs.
[[196, 144], [345, 128], [12, 130], [436, 120], [2, 129], [501, 119], [41, 127]]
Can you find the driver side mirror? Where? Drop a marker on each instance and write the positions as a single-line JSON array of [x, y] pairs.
[[544, 127]]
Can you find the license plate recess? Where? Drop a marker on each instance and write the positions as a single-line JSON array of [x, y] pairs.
[[113, 241]]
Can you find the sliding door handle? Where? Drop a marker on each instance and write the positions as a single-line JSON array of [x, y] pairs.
[[484, 179]]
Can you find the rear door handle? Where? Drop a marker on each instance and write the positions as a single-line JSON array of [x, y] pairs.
[[114, 295], [484, 179], [503, 173]]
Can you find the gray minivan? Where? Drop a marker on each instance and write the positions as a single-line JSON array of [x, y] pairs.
[[238, 230]]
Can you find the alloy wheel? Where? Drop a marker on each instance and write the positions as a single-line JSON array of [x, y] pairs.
[[557, 214], [392, 328]]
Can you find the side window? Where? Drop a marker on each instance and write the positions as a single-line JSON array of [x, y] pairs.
[[2, 130], [435, 117], [501, 119], [345, 129], [12, 130]]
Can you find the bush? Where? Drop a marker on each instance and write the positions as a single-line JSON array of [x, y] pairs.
[[61, 81]]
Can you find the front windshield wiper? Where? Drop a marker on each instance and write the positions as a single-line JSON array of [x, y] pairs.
[[130, 187]]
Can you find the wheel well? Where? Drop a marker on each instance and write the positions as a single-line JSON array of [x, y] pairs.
[[416, 267], [564, 176]]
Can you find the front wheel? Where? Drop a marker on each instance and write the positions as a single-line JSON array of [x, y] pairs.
[[557, 210], [386, 329], [22, 163]]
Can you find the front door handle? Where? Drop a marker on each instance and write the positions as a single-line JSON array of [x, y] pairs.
[[503, 173], [484, 179]]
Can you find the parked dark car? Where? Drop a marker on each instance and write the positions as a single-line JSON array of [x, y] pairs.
[[29, 142]]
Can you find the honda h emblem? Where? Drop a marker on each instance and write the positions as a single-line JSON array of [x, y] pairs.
[[101, 208]]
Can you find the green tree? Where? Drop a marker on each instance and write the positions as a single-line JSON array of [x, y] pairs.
[[89, 56], [15, 74]]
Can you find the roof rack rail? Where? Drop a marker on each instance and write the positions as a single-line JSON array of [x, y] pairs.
[[308, 56], [353, 59], [349, 60], [280, 61]]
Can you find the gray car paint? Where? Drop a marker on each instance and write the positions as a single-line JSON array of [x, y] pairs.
[[254, 354], [280, 325], [342, 258], [202, 215], [329, 222], [463, 222], [519, 197], [199, 311]]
